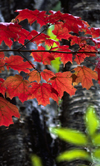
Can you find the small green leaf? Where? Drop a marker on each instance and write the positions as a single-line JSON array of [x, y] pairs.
[[36, 161], [73, 155], [96, 153], [92, 122], [96, 140], [71, 136]]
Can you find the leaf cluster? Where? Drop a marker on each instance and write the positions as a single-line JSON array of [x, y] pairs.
[[45, 84]]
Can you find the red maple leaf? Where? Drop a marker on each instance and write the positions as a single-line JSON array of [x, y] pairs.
[[32, 16], [85, 76], [63, 82], [17, 86], [47, 74], [10, 31], [7, 110], [42, 92], [61, 32], [45, 58], [65, 57], [16, 62]]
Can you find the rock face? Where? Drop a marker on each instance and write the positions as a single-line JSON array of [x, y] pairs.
[[73, 108]]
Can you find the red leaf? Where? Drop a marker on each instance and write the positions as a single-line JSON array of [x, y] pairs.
[[32, 16], [16, 62], [85, 76], [7, 110], [42, 92], [61, 32], [17, 86], [10, 31], [47, 74], [65, 57], [63, 82], [44, 57]]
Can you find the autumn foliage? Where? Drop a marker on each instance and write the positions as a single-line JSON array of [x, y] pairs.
[[45, 84]]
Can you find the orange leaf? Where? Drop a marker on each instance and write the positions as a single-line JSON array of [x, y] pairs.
[[16, 62], [63, 82], [34, 76], [7, 110], [17, 86], [85, 76], [42, 92]]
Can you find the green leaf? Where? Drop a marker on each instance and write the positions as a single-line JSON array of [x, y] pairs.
[[96, 155], [96, 140], [36, 161], [92, 122], [71, 136], [73, 155]]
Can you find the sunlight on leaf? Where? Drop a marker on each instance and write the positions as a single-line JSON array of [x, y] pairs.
[[73, 155], [71, 136]]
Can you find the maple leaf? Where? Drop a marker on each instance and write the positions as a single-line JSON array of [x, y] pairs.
[[10, 31], [63, 82], [32, 16], [47, 74], [85, 76], [16, 62], [34, 76], [65, 57], [17, 86], [42, 92], [61, 32], [45, 58], [7, 110]]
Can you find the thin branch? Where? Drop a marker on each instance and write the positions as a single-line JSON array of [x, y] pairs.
[[32, 38], [73, 52], [27, 60]]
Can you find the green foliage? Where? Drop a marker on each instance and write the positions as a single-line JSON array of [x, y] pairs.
[[73, 155], [36, 161], [89, 143]]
